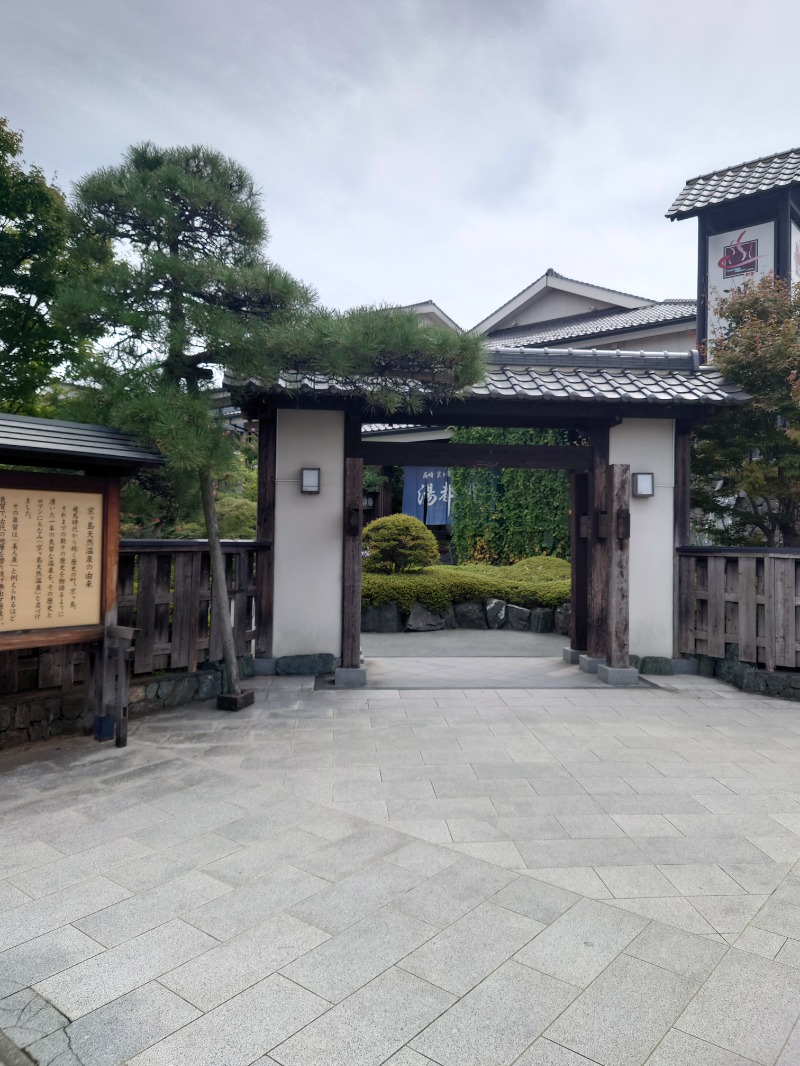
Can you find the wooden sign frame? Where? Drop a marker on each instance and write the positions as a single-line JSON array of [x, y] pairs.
[[109, 488]]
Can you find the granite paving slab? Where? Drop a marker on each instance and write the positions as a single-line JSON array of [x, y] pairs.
[[446, 875]]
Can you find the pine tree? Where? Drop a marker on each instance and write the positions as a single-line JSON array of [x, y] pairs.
[[170, 274]]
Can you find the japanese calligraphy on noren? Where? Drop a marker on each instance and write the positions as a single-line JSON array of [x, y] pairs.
[[50, 558]]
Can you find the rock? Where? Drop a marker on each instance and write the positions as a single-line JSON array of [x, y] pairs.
[[542, 620], [383, 619], [247, 666], [563, 617], [22, 716], [306, 665], [5, 717], [72, 707], [518, 618], [36, 711], [421, 620], [495, 613], [470, 615], [184, 690], [136, 693], [209, 684], [655, 664]]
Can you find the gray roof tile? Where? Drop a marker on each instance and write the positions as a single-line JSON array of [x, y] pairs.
[[745, 179], [594, 324], [578, 376]]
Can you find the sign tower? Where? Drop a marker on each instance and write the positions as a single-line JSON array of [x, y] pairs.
[[748, 226]]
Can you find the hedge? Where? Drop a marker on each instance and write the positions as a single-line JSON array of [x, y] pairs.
[[537, 582]]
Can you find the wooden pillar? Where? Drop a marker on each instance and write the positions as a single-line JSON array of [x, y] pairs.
[[682, 595], [597, 614], [618, 499], [579, 560], [383, 503], [353, 517], [265, 530], [111, 516]]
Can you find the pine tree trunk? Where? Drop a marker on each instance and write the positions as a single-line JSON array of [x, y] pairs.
[[219, 590]]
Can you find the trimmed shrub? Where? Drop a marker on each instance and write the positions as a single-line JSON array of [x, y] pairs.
[[399, 542], [539, 582]]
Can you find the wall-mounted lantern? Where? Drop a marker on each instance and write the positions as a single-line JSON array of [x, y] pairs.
[[309, 479], [644, 484]]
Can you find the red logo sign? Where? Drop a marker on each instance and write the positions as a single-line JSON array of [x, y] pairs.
[[739, 258]]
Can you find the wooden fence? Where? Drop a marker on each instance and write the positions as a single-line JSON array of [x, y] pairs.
[[744, 596], [165, 592]]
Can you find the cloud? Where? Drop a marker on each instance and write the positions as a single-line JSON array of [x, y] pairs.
[[414, 149]]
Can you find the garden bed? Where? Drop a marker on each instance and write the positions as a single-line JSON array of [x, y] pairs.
[[524, 595]]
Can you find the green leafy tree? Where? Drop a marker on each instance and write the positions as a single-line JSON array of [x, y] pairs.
[[34, 230], [501, 516], [171, 277], [746, 460]]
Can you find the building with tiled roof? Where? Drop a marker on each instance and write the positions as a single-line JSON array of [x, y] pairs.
[[748, 227], [732, 183], [556, 311]]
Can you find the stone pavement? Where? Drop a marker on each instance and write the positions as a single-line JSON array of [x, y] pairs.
[[552, 877]]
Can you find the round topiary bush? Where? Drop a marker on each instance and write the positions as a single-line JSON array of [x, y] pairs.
[[399, 542]]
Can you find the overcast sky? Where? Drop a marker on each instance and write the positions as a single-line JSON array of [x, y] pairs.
[[407, 150]]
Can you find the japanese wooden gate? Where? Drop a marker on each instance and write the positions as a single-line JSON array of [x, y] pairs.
[[623, 412], [600, 526]]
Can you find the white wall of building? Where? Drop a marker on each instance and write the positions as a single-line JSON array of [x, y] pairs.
[[308, 534], [675, 339], [555, 303], [648, 446]]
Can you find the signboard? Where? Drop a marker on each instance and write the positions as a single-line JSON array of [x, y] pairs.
[[427, 494], [51, 558], [795, 253], [733, 258]]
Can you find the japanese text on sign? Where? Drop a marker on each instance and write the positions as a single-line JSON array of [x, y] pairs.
[[50, 558]]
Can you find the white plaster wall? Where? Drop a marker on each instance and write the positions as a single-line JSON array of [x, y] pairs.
[[648, 446], [673, 340], [308, 534], [554, 303]]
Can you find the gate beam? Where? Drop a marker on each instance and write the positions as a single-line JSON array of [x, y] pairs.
[[508, 456]]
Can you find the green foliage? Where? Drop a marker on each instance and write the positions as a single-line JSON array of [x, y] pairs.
[[373, 479], [169, 265], [380, 352], [237, 518], [399, 542], [501, 516], [753, 450], [527, 584], [33, 255]]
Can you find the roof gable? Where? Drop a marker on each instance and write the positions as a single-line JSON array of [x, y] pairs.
[[597, 324], [433, 315], [586, 298]]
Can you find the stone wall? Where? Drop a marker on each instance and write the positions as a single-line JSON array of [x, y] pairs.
[[29, 716], [489, 614], [749, 678]]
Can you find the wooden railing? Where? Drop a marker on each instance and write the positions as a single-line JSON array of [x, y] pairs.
[[749, 597], [165, 593]]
